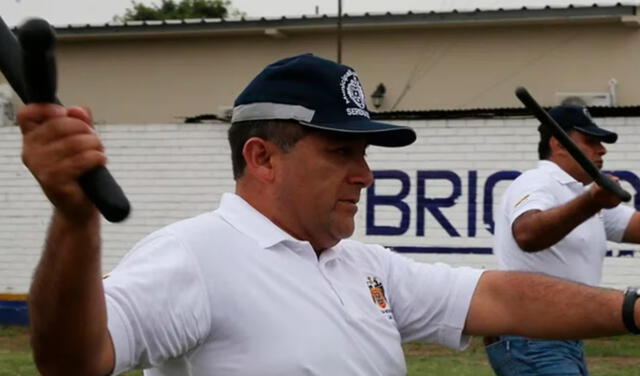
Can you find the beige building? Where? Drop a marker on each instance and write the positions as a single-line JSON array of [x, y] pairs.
[[169, 71]]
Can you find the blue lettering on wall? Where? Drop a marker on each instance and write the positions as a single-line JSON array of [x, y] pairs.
[[471, 207], [489, 185], [374, 200], [433, 205]]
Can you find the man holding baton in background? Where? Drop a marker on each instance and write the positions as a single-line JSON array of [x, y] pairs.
[[550, 222], [269, 283]]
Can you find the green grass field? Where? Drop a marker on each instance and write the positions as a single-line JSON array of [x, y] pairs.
[[619, 356]]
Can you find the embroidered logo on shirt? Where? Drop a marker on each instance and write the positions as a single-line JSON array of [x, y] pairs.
[[377, 295], [377, 292]]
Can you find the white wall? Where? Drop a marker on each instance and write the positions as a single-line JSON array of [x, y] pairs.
[[7, 110], [176, 171], [168, 172], [485, 146]]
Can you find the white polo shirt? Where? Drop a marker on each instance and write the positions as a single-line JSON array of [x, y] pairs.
[[579, 255], [229, 293]]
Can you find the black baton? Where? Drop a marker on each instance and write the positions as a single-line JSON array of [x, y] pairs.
[[547, 121]]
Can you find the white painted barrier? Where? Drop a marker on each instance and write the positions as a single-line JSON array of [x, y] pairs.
[[443, 187]]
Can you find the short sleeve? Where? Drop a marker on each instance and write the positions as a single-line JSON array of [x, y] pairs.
[[157, 304], [616, 221], [526, 193], [430, 302]]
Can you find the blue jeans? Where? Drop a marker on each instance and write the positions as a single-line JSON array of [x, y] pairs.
[[520, 356]]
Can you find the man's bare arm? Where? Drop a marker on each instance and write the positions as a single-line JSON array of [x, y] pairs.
[[539, 306], [536, 230], [66, 300], [632, 232]]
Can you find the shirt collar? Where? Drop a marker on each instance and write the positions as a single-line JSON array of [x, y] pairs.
[[246, 219], [556, 172]]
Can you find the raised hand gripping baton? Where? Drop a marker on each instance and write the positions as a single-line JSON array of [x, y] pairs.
[[557, 132], [30, 69]]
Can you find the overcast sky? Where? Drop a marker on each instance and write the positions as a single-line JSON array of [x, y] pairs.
[[62, 12]]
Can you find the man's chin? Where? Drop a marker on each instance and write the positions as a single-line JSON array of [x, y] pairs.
[[346, 230]]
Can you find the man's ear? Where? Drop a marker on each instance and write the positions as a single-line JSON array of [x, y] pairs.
[[258, 154], [555, 146]]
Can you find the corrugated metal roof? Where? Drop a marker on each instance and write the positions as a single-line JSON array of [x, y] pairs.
[[473, 113], [566, 13], [491, 113]]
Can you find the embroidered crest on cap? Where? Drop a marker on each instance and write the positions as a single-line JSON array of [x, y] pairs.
[[353, 94], [586, 113]]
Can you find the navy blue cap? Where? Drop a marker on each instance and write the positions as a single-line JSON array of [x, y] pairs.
[[577, 117], [317, 93]]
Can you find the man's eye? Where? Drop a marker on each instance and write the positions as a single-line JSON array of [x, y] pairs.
[[348, 151]]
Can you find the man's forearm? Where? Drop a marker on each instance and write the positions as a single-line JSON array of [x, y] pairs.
[[539, 306], [538, 230], [66, 300]]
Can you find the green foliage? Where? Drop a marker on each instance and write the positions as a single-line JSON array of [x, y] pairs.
[[173, 10]]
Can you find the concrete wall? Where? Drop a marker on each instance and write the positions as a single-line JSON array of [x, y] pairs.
[[173, 171]]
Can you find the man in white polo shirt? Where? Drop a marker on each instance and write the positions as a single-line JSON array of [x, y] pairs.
[[549, 221], [269, 283]]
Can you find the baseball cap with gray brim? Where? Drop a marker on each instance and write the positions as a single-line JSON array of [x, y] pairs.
[[317, 93], [577, 117]]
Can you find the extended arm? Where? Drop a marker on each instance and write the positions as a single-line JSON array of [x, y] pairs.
[[66, 300], [539, 306], [536, 230], [632, 232]]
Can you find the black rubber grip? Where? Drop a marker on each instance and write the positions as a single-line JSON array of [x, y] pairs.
[[38, 61], [11, 60], [39, 68], [546, 120], [105, 193]]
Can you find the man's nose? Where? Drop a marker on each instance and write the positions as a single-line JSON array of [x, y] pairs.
[[603, 149], [362, 175]]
